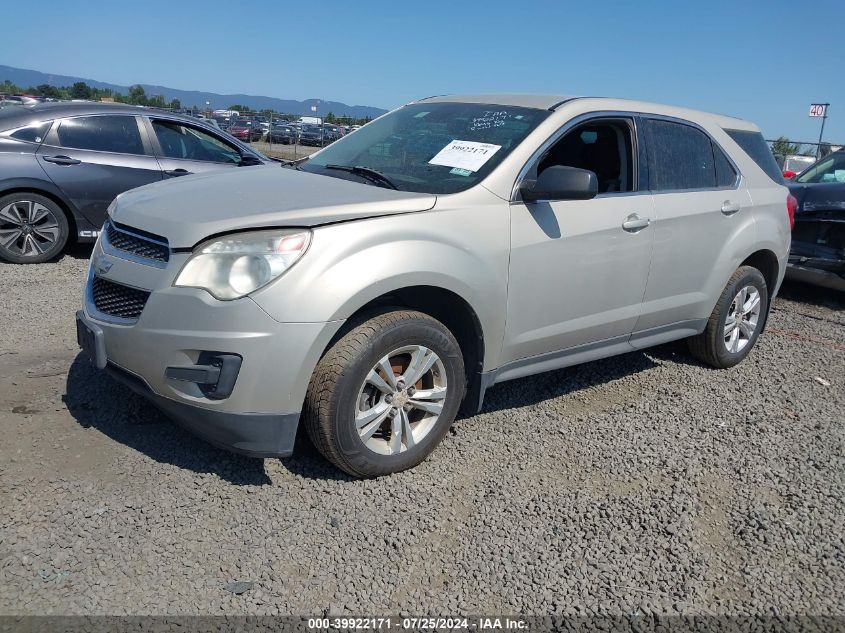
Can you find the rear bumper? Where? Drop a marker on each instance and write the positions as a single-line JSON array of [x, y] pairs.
[[815, 276]]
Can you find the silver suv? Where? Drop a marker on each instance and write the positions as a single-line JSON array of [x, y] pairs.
[[386, 282]]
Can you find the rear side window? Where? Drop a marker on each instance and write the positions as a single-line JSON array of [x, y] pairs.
[[725, 172], [679, 157], [753, 144], [32, 133], [108, 133]]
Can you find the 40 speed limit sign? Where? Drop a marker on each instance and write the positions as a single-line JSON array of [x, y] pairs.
[[818, 109]]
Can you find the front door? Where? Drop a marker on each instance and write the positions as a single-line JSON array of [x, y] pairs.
[[578, 269]]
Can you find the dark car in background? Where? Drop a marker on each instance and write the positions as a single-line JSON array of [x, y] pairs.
[[311, 134], [245, 130], [331, 133], [62, 164], [817, 255], [283, 134]]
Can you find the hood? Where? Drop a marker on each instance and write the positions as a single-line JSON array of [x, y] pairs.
[[188, 209]]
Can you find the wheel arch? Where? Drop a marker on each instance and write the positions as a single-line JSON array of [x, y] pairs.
[[448, 307], [766, 262], [52, 193]]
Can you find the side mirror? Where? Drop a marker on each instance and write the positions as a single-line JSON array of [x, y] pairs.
[[561, 183], [248, 160]]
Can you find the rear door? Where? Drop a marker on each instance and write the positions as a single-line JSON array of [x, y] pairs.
[[702, 215], [94, 158], [184, 149]]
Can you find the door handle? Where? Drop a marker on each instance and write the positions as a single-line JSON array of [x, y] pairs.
[[634, 223], [729, 208], [61, 160], [177, 172]]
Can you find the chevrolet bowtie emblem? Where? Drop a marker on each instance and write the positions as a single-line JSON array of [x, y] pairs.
[[101, 265]]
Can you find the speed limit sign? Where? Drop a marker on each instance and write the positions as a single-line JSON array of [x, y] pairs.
[[818, 109]]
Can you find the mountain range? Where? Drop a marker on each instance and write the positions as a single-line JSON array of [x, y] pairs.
[[25, 78]]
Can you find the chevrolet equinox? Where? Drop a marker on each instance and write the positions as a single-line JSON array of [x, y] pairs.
[[378, 287]]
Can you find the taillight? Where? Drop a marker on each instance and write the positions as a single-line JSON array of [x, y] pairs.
[[791, 206]]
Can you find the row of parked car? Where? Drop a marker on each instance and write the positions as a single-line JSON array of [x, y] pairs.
[[282, 131]]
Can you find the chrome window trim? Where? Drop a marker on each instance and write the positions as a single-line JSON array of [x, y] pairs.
[[567, 127], [670, 119]]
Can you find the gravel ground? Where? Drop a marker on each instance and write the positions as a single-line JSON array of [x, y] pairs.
[[643, 483]]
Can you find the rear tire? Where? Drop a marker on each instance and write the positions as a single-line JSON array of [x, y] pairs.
[[33, 228], [359, 412], [736, 321]]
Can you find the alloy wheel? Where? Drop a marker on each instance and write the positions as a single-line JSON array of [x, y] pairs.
[[401, 400], [743, 319], [28, 228]]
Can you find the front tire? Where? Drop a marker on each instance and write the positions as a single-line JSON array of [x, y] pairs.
[[33, 229], [384, 395], [736, 321]]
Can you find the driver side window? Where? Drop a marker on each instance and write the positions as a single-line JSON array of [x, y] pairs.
[[601, 146], [189, 143]]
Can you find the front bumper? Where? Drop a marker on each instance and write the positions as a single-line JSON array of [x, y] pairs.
[[245, 431], [252, 434], [181, 329]]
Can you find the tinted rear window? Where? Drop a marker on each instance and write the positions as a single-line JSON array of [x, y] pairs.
[[102, 133], [725, 173], [753, 144], [34, 133], [680, 157]]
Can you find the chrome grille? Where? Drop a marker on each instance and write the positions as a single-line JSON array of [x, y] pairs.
[[137, 242], [118, 300]]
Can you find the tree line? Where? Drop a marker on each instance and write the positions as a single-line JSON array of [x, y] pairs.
[[81, 90], [138, 96], [784, 147]]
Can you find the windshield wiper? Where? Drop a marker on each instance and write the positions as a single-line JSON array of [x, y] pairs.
[[366, 172], [294, 164]]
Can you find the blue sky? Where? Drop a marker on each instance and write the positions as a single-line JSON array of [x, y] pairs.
[[761, 60]]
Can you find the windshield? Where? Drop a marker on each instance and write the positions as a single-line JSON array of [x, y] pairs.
[[830, 169], [431, 147]]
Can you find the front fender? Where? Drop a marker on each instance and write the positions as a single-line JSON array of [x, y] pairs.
[[351, 264]]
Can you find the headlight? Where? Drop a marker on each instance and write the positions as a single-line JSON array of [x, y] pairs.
[[235, 265]]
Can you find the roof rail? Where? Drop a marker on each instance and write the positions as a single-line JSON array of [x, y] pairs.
[[555, 106]]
